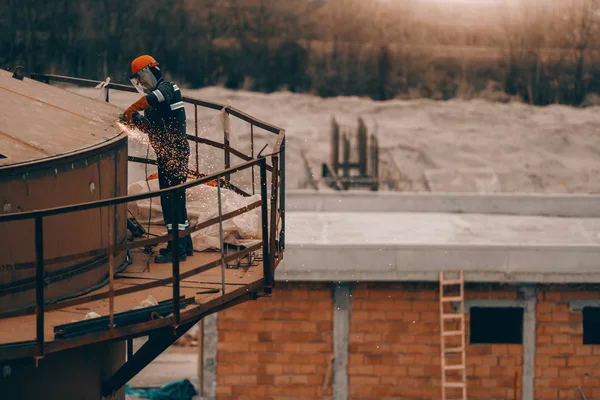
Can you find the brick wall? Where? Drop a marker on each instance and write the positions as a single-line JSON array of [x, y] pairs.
[[395, 346], [492, 367], [562, 361], [394, 342], [278, 346], [282, 346]]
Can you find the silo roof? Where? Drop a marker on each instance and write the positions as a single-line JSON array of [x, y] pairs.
[[39, 121]]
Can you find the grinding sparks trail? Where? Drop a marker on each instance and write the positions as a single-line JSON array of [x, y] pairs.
[[134, 133]]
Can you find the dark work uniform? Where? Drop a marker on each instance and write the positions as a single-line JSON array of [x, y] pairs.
[[167, 136]]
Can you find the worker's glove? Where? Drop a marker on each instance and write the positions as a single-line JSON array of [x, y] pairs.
[[138, 119]]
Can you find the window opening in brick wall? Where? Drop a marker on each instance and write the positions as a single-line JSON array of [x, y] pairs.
[[503, 325], [591, 325]]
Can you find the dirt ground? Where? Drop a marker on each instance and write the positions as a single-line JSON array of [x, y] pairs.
[[426, 145]]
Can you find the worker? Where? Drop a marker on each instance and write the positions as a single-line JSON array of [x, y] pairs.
[[164, 121]]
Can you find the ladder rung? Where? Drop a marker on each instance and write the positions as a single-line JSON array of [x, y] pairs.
[[454, 367], [452, 282], [453, 350], [453, 315], [452, 298], [451, 333], [454, 384]]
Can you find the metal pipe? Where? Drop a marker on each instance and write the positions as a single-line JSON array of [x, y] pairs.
[[196, 134], [39, 285], [127, 88], [123, 199], [129, 348], [226, 143], [175, 253], [282, 196], [273, 222], [265, 222], [222, 245], [252, 154]]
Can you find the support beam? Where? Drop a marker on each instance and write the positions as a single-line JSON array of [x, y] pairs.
[[341, 331], [529, 344], [200, 339], [209, 357], [156, 344], [579, 305]]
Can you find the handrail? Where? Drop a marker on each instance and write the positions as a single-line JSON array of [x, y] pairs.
[[124, 199], [127, 88]]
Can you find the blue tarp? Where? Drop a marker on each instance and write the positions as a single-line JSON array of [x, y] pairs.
[[178, 390]]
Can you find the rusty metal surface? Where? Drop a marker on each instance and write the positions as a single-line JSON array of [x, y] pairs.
[[93, 178], [40, 121]]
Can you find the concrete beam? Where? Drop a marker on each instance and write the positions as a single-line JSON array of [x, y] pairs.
[[493, 303], [529, 343], [415, 262], [209, 355], [579, 305], [341, 332], [567, 205]]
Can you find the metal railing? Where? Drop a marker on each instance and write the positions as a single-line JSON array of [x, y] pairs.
[[272, 238]]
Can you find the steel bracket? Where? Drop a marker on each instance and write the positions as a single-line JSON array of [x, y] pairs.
[[156, 344]]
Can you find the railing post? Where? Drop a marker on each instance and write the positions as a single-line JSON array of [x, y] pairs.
[[175, 253], [196, 133], [222, 244], [39, 285], [265, 221], [107, 98], [274, 205], [282, 196], [226, 142], [252, 154]]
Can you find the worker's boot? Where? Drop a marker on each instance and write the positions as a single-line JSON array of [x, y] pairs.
[[165, 250], [168, 256], [189, 245]]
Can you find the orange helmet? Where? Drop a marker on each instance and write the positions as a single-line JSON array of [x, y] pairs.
[[141, 62]]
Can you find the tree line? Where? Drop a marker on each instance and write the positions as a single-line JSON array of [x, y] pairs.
[[327, 47]]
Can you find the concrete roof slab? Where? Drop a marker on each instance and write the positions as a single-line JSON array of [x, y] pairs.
[[375, 246]]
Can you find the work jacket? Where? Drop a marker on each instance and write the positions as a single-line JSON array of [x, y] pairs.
[[167, 119]]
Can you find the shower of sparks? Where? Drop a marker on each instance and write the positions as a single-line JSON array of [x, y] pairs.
[[210, 160], [134, 133]]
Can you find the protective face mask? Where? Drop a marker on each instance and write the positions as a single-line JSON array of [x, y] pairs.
[[144, 81]]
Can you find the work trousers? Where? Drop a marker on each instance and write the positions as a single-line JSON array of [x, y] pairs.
[[172, 171]]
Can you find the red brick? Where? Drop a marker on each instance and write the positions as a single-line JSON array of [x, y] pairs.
[[363, 380], [558, 362]]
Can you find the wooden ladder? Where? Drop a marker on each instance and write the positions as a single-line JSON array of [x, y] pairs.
[[456, 350]]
